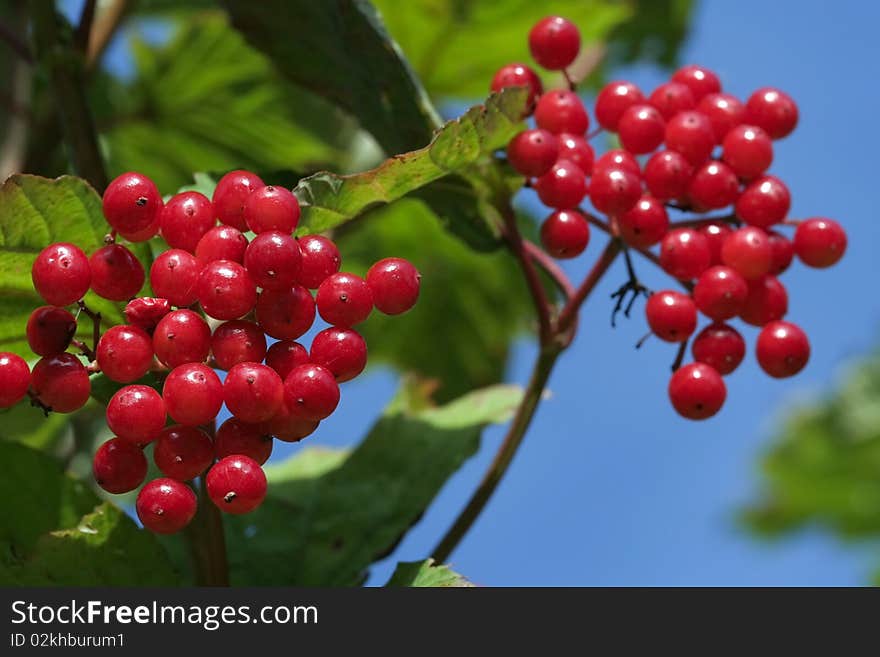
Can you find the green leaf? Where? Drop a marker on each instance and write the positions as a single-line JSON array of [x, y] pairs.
[[28, 425], [426, 573], [654, 31], [329, 514]]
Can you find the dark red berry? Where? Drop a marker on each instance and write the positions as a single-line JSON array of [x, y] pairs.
[[286, 314], [565, 234], [311, 392], [767, 301], [671, 315], [237, 437], [230, 195], [253, 392], [174, 275], [125, 353], [783, 252], [287, 427], [131, 202], [61, 274], [720, 293], [684, 253], [273, 260], [182, 337], [747, 150], [146, 312], [575, 148], [193, 394], [764, 202], [320, 259], [136, 413], [341, 350], [670, 98], [641, 129], [690, 133], [560, 111], [61, 382], [116, 273], [716, 233], [819, 242], [237, 341], [614, 191], [185, 219], [183, 453], [221, 243], [533, 152], [617, 158], [554, 42], [165, 506], [226, 290], [344, 299], [236, 484], [394, 284], [15, 379], [782, 349], [667, 175], [285, 355], [119, 466], [645, 223], [144, 234], [700, 80], [772, 110], [748, 251], [614, 99], [50, 330], [719, 346], [697, 391], [724, 111], [271, 208], [518, 75], [563, 187], [714, 185]]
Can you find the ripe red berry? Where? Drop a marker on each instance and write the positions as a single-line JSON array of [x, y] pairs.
[[819, 242], [554, 42], [565, 234], [230, 194], [764, 202], [226, 290], [50, 330], [185, 219], [285, 355], [767, 301], [700, 80], [617, 158], [667, 175], [320, 259], [690, 133], [116, 273], [533, 152], [747, 150], [697, 391], [182, 337], [15, 378], [145, 234], [286, 314], [394, 284], [287, 427], [125, 353], [341, 350], [61, 382], [716, 233], [131, 202], [183, 453], [344, 299], [271, 208], [563, 187], [561, 111], [221, 243], [684, 253], [748, 251], [61, 274], [237, 341], [145, 312], [136, 413], [273, 260], [165, 506], [645, 223], [253, 392], [783, 252], [614, 99], [641, 129], [720, 293], [724, 111], [193, 394], [782, 349], [670, 98], [575, 148], [614, 191], [518, 75], [714, 185], [174, 275], [671, 315], [236, 484], [772, 110], [311, 392], [119, 466], [237, 437], [720, 346]]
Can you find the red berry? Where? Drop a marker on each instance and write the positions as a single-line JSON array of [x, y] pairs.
[[286, 314], [697, 391], [772, 110], [146, 312], [183, 453], [724, 111], [563, 187], [518, 75], [237, 437], [533, 152], [50, 330], [61, 382], [185, 219], [221, 243], [165, 506], [15, 378], [285, 355], [311, 392], [226, 290], [576, 149], [273, 260], [782, 349], [614, 99], [144, 234], [230, 194], [131, 202], [767, 301], [344, 299], [645, 223], [253, 392], [320, 259], [614, 191], [182, 337], [719, 346], [61, 274], [238, 341], [716, 233], [671, 98], [116, 274], [341, 350], [394, 284], [565, 234], [119, 466], [271, 208], [819, 242], [714, 185], [700, 80], [747, 150], [617, 158], [684, 253], [764, 202], [641, 129], [136, 413], [236, 484], [561, 111], [193, 394], [671, 315], [748, 251], [720, 293], [667, 175], [554, 42], [125, 353], [174, 275], [783, 252], [288, 427], [690, 133]]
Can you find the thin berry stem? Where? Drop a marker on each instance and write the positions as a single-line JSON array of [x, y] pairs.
[[572, 85], [568, 316], [96, 327], [550, 267], [679, 357], [705, 221]]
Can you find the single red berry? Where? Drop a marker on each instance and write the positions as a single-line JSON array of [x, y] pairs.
[[613, 100], [285, 355], [286, 314], [344, 299], [783, 252], [719, 346], [720, 293], [236, 484], [320, 259], [667, 175], [670, 98], [684, 253], [116, 273], [174, 276], [576, 149], [671, 315], [714, 185], [394, 284], [238, 341], [182, 337], [533, 152], [226, 290], [50, 330], [617, 158], [136, 413], [125, 353], [747, 150], [819, 242], [185, 219], [748, 251], [724, 111], [690, 133], [131, 202], [15, 379], [764, 202], [700, 80], [119, 466], [782, 349], [273, 260], [554, 42], [561, 111], [341, 350], [183, 453], [253, 392], [61, 274], [230, 195], [641, 129], [614, 191], [772, 110], [767, 301], [165, 506], [311, 392], [716, 233], [145, 234], [237, 437], [697, 391], [563, 187], [287, 427], [193, 394], [645, 223], [61, 382], [518, 75], [271, 208], [221, 243], [565, 234], [146, 312]]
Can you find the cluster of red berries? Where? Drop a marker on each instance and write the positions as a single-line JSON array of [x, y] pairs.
[[691, 147], [250, 289]]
